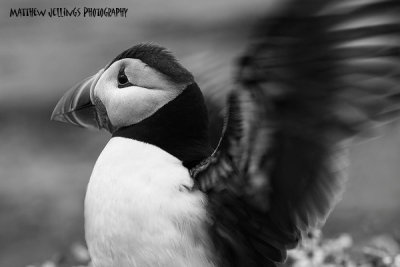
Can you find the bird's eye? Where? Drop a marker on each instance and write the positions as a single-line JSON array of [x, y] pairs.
[[123, 80]]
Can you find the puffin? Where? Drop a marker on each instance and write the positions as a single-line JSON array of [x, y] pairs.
[[315, 75]]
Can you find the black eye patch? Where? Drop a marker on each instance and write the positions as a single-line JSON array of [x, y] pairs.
[[123, 80]]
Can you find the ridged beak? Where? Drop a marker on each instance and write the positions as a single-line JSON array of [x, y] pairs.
[[76, 105]]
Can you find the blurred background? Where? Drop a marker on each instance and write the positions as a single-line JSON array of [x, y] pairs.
[[45, 166]]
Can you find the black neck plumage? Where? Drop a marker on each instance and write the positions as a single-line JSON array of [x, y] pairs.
[[179, 128]]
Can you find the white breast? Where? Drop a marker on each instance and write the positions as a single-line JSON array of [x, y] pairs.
[[138, 214]]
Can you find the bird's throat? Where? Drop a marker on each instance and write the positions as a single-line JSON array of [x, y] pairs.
[[179, 128]]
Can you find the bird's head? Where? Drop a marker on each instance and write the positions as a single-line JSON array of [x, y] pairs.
[[143, 94]]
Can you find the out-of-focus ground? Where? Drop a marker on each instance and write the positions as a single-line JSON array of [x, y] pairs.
[[45, 166]]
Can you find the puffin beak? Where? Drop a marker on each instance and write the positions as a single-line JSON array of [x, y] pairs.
[[76, 106]]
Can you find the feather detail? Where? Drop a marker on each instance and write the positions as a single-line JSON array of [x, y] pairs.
[[314, 76]]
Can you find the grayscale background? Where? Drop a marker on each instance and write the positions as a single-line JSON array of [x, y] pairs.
[[45, 166]]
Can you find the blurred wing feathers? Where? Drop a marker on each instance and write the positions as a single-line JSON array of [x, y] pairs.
[[315, 75]]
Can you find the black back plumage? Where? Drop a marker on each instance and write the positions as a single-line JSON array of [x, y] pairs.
[[314, 76]]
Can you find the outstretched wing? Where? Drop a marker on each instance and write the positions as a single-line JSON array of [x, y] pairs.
[[316, 75]]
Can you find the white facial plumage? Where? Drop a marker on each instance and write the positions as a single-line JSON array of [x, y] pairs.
[[150, 90]]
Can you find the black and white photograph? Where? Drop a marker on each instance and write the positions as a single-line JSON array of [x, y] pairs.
[[181, 133]]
